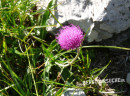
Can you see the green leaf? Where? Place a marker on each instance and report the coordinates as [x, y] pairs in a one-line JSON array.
[[4, 46], [88, 61], [59, 92], [82, 56], [19, 83], [37, 27], [67, 76], [100, 70], [47, 53], [44, 19], [52, 45], [40, 40]]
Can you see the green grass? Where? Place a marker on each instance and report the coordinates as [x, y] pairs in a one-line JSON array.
[[28, 65]]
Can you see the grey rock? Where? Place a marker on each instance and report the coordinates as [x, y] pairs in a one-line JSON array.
[[103, 17], [128, 78], [70, 92], [74, 92]]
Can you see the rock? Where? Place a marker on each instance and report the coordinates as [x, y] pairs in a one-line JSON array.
[[74, 92], [103, 17], [71, 92], [128, 78]]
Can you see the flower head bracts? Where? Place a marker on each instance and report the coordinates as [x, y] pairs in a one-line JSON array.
[[70, 37]]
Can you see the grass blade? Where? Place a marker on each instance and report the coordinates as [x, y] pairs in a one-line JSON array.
[[100, 46]]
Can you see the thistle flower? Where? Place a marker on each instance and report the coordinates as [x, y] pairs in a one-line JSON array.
[[70, 37]]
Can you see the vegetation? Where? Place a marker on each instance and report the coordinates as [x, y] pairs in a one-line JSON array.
[[29, 58]]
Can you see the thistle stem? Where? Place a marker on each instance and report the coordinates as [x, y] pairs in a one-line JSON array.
[[77, 55], [70, 63]]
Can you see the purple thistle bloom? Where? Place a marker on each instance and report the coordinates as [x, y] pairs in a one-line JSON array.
[[70, 37]]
